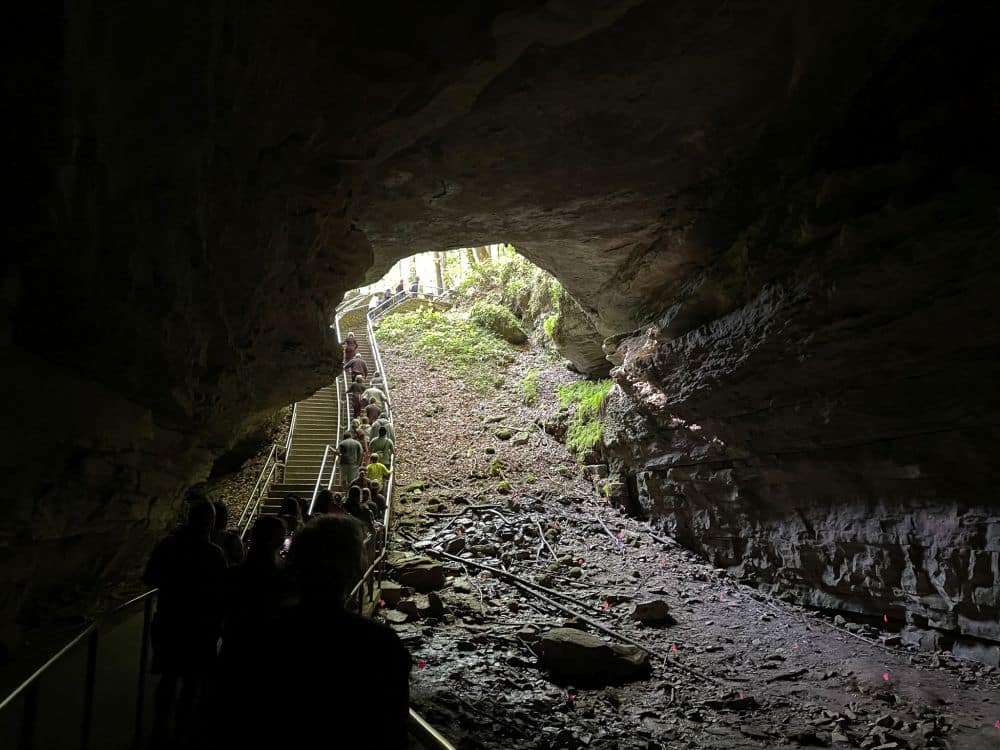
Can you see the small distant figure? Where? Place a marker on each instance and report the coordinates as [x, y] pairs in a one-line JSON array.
[[228, 541], [356, 391], [350, 346], [400, 290], [382, 445], [373, 411], [415, 286], [377, 470], [350, 457], [366, 429], [190, 572], [387, 295], [358, 434], [356, 366]]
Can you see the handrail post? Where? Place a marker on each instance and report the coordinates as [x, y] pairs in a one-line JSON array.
[[29, 718], [89, 683], [140, 701]]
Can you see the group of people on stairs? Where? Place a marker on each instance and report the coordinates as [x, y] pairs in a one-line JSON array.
[[235, 626]]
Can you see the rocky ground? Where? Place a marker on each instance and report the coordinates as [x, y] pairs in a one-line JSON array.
[[633, 642]]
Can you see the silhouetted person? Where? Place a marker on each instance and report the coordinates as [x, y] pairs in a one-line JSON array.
[[337, 505], [350, 457], [355, 507], [400, 287], [377, 497], [356, 366], [415, 285], [291, 513], [324, 499], [228, 541], [369, 504], [189, 571], [350, 347], [373, 411], [255, 590], [348, 687], [387, 295]]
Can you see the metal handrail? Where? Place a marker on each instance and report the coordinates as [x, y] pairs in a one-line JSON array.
[[291, 429], [30, 688], [426, 734], [430, 293], [256, 507], [343, 373], [260, 478], [319, 476], [377, 361]]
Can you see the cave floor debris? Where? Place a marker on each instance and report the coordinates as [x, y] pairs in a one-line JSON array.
[[778, 675]]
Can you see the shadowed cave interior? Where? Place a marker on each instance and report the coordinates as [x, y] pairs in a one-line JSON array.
[[778, 222]]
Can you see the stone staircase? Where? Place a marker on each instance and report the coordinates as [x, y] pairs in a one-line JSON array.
[[316, 427]]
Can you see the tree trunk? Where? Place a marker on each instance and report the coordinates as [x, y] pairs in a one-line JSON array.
[[438, 273], [482, 253]]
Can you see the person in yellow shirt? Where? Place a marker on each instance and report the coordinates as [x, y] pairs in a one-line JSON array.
[[377, 470]]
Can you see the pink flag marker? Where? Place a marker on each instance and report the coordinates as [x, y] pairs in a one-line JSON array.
[[421, 664], [674, 648], [885, 676], [607, 605], [381, 602]]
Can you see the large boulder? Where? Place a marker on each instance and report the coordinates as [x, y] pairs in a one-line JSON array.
[[573, 655], [498, 320]]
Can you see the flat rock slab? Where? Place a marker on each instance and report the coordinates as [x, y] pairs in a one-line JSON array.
[[418, 572], [584, 659]]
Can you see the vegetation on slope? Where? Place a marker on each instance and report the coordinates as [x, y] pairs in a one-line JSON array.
[[498, 320], [449, 341], [585, 428]]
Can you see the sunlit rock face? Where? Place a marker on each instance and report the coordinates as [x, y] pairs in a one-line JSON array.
[[779, 215]]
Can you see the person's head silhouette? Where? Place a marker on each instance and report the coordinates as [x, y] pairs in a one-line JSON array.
[[327, 556]]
